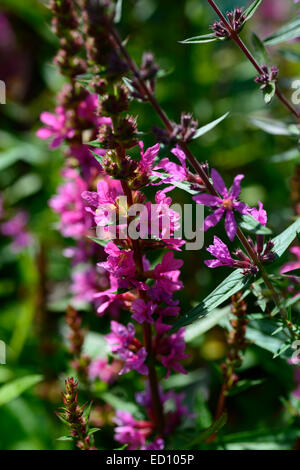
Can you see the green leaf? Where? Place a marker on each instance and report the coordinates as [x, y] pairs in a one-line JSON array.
[[93, 430], [285, 33], [260, 50], [208, 127], [274, 127], [283, 241], [252, 225], [289, 155], [249, 12], [15, 388], [200, 39], [234, 283], [119, 403], [95, 143], [200, 327], [213, 429], [65, 438], [99, 158], [291, 56], [243, 385], [99, 241], [269, 92], [118, 11]]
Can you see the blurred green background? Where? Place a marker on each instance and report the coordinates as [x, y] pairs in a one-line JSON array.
[[208, 80]]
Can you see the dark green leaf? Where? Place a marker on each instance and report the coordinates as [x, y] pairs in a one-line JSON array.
[[243, 385], [213, 429], [283, 241], [234, 283], [260, 50]]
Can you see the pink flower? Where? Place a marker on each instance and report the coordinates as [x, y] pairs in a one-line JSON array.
[[74, 220], [147, 159], [169, 349], [174, 412], [221, 252], [175, 172], [110, 300], [134, 361], [223, 257], [86, 281], [226, 204], [166, 276], [158, 444], [142, 311], [120, 336], [130, 431], [120, 263], [122, 341], [56, 127], [293, 264], [160, 221], [99, 368], [16, 228], [259, 214]]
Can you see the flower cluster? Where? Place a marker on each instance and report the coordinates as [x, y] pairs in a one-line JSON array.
[[136, 433], [236, 21]]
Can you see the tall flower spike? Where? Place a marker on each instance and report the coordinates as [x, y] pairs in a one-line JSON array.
[[72, 414]]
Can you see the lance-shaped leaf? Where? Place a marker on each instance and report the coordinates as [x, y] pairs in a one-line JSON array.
[[283, 241], [234, 283], [14, 389], [200, 39], [274, 127], [247, 222], [99, 158], [260, 50], [208, 127], [249, 12], [118, 11], [289, 155], [285, 33]]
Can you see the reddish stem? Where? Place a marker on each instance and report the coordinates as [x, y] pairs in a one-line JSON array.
[[234, 35]]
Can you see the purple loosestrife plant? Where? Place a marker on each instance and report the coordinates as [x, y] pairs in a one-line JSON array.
[[117, 274]]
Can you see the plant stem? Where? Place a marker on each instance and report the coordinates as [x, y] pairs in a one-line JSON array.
[[234, 35]]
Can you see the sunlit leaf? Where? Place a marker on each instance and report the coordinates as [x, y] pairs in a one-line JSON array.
[[12, 390]]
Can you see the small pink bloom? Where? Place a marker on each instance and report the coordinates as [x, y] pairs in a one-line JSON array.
[[142, 311], [225, 205], [293, 264], [56, 127]]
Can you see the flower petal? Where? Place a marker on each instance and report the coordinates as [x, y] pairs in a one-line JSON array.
[[219, 182], [207, 199], [213, 218], [230, 225], [236, 187]]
